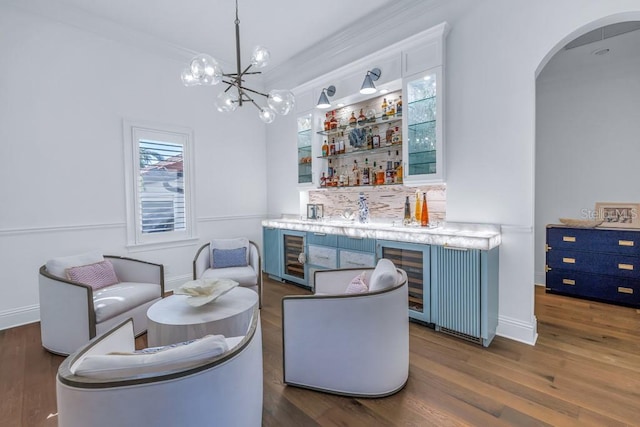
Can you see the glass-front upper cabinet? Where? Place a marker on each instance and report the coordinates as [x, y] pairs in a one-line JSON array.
[[423, 149], [305, 138]]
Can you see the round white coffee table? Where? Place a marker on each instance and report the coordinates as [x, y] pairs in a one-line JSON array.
[[172, 320]]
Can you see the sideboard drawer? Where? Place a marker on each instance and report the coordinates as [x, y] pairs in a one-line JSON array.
[[622, 242], [593, 262], [322, 239], [349, 259], [606, 288], [323, 257]]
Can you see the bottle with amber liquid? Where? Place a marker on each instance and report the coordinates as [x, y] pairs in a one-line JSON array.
[[424, 213], [384, 107], [356, 173], [327, 122], [380, 176], [333, 123], [362, 119], [332, 147], [391, 109], [352, 120], [325, 149], [399, 107], [418, 212]]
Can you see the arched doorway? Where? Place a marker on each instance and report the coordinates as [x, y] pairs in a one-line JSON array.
[[587, 124]]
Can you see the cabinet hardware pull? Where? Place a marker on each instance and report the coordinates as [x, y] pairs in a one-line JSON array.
[[625, 266], [568, 239], [625, 242], [547, 248], [624, 290], [322, 257], [569, 260], [568, 282], [547, 269], [357, 263], [453, 248], [319, 234]]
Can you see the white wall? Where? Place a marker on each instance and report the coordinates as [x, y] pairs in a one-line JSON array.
[[64, 93], [494, 50], [587, 128]]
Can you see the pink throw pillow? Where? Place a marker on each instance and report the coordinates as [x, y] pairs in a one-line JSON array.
[[98, 275], [357, 285]]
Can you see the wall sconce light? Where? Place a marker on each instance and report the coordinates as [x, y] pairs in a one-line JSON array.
[[367, 85], [323, 102]]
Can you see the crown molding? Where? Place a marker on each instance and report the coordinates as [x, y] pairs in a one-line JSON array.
[[375, 31]]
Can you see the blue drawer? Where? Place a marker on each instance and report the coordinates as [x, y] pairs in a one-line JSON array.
[[355, 244], [322, 239], [604, 288], [593, 262], [624, 242]]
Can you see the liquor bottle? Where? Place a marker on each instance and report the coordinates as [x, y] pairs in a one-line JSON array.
[[389, 135], [323, 180], [424, 214], [365, 173], [352, 120], [397, 136], [376, 137], [362, 119], [407, 212], [333, 123], [325, 149], [398, 168], [370, 139], [332, 147], [356, 173], [399, 107], [388, 174], [418, 211], [380, 176], [326, 121], [384, 108], [391, 109], [339, 146], [330, 171]]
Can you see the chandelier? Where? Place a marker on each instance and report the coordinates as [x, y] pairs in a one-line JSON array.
[[205, 70]]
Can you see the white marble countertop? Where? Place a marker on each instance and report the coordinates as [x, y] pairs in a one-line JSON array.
[[452, 234]]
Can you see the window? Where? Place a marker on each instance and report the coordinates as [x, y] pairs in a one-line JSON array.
[[159, 184]]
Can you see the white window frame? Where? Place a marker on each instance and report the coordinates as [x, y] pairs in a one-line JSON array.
[[135, 131]]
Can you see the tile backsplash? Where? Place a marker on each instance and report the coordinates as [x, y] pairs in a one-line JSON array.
[[385, 201]]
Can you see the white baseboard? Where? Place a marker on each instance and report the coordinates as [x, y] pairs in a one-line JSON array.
[[518, 330], [19, 316]]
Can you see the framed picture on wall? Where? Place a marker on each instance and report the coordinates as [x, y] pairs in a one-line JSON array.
[[618, 215]]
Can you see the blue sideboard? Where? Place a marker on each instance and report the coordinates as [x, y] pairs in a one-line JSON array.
[[451, 288], [598, 264]]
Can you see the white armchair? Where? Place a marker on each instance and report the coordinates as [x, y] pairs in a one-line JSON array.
[[72, 313], [224, 389], [348, 344], [247, 275]]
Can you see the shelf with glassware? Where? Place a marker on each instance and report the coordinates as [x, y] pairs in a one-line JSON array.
[[423, 147], [305, 158], [361, 150]]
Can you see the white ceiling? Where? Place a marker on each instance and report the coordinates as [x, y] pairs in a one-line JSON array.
[[286, 27]]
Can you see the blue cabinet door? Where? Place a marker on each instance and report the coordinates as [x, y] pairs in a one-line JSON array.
[[465, 288], [414, 259], [271, 251]]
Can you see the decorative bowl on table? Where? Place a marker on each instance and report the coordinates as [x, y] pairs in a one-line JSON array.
[[581, 223], [204, 291]]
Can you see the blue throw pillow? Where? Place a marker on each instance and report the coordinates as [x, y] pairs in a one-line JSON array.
[[223, 258]]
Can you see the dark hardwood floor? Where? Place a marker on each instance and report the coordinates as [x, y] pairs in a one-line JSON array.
[[584, 371]]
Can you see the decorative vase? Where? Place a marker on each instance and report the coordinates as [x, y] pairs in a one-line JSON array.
[[363, 209]]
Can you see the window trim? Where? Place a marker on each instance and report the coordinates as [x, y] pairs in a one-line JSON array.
[[133, 132]]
